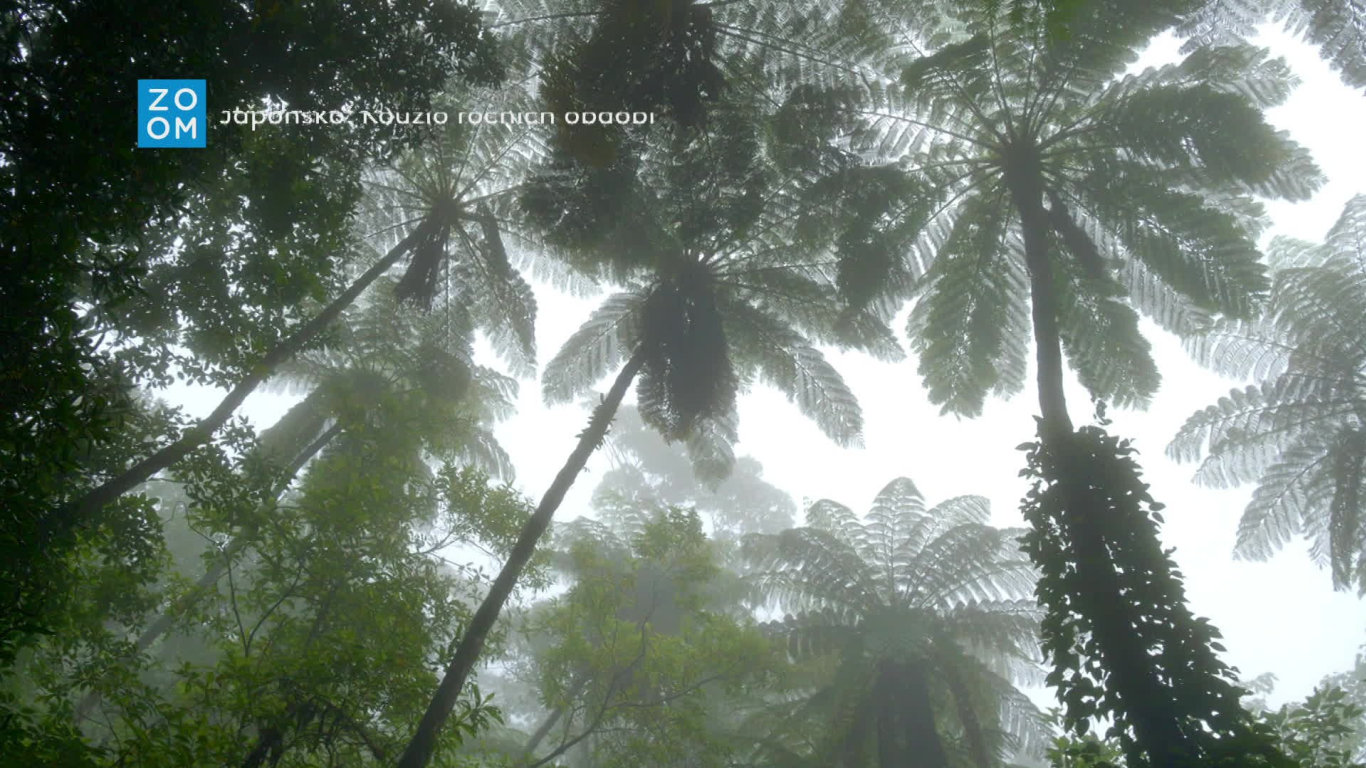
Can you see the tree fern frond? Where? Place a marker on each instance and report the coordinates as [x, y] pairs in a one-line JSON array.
[[1101, 337], [1241, 349], [1335, 26], [501, 301], [839, 521], [1347, 238], [1347, 510], [1295, 484], [985, 569], [1221, 22], [711, 447], [1244, 429], [1290, 253], [798, 370], [896, 511], [595, 349], [809, 569], [483, 450], [969, 326], [1201, 252], [1155, 298]]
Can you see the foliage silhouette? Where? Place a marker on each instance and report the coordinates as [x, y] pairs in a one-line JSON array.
[[1299, 431], [1044, 188]]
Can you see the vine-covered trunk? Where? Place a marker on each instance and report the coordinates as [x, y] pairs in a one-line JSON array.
[[420, 748], [1112, 620], [84, 509]]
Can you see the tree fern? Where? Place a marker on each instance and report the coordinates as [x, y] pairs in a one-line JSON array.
[[1110, 194], [1335, 27], [1297, 432], [930, 597], [1146, 182]]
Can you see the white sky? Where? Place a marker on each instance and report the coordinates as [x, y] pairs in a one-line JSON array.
[[1279, 616]]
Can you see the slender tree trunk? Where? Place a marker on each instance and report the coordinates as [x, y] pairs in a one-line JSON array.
[[543, 730], [1145, 698], [85, 508], [420, 748], [1024, 179]]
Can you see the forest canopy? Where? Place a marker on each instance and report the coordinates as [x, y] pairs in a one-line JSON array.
[[269, 402]]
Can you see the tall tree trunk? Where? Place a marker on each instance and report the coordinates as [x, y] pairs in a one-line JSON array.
[[1145, 698], [906, 734], [420, 748], [1024, 179], [1147, 701], [84, 509]]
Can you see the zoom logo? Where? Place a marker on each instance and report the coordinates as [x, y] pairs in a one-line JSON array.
[[171, 114]]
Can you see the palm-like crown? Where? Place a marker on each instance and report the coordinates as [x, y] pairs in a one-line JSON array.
[[1299, 432]]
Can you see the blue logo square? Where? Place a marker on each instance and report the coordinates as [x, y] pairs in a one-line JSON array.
[[172, 113]]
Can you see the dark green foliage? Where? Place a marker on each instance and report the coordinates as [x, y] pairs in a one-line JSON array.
[[92, 290], [642, 56], [716, 295], [1317, 733], [643, 652], [1142, 660], [1323, 731]]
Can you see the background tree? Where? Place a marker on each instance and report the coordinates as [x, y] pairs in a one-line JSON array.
[[715, 297], [641, 653], [75, 222], [398, 383], [1299, 431], [928, 615], [650, 472]]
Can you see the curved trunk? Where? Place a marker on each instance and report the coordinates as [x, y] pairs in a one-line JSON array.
[[420, 748], [81, 511], [1145, 698]]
